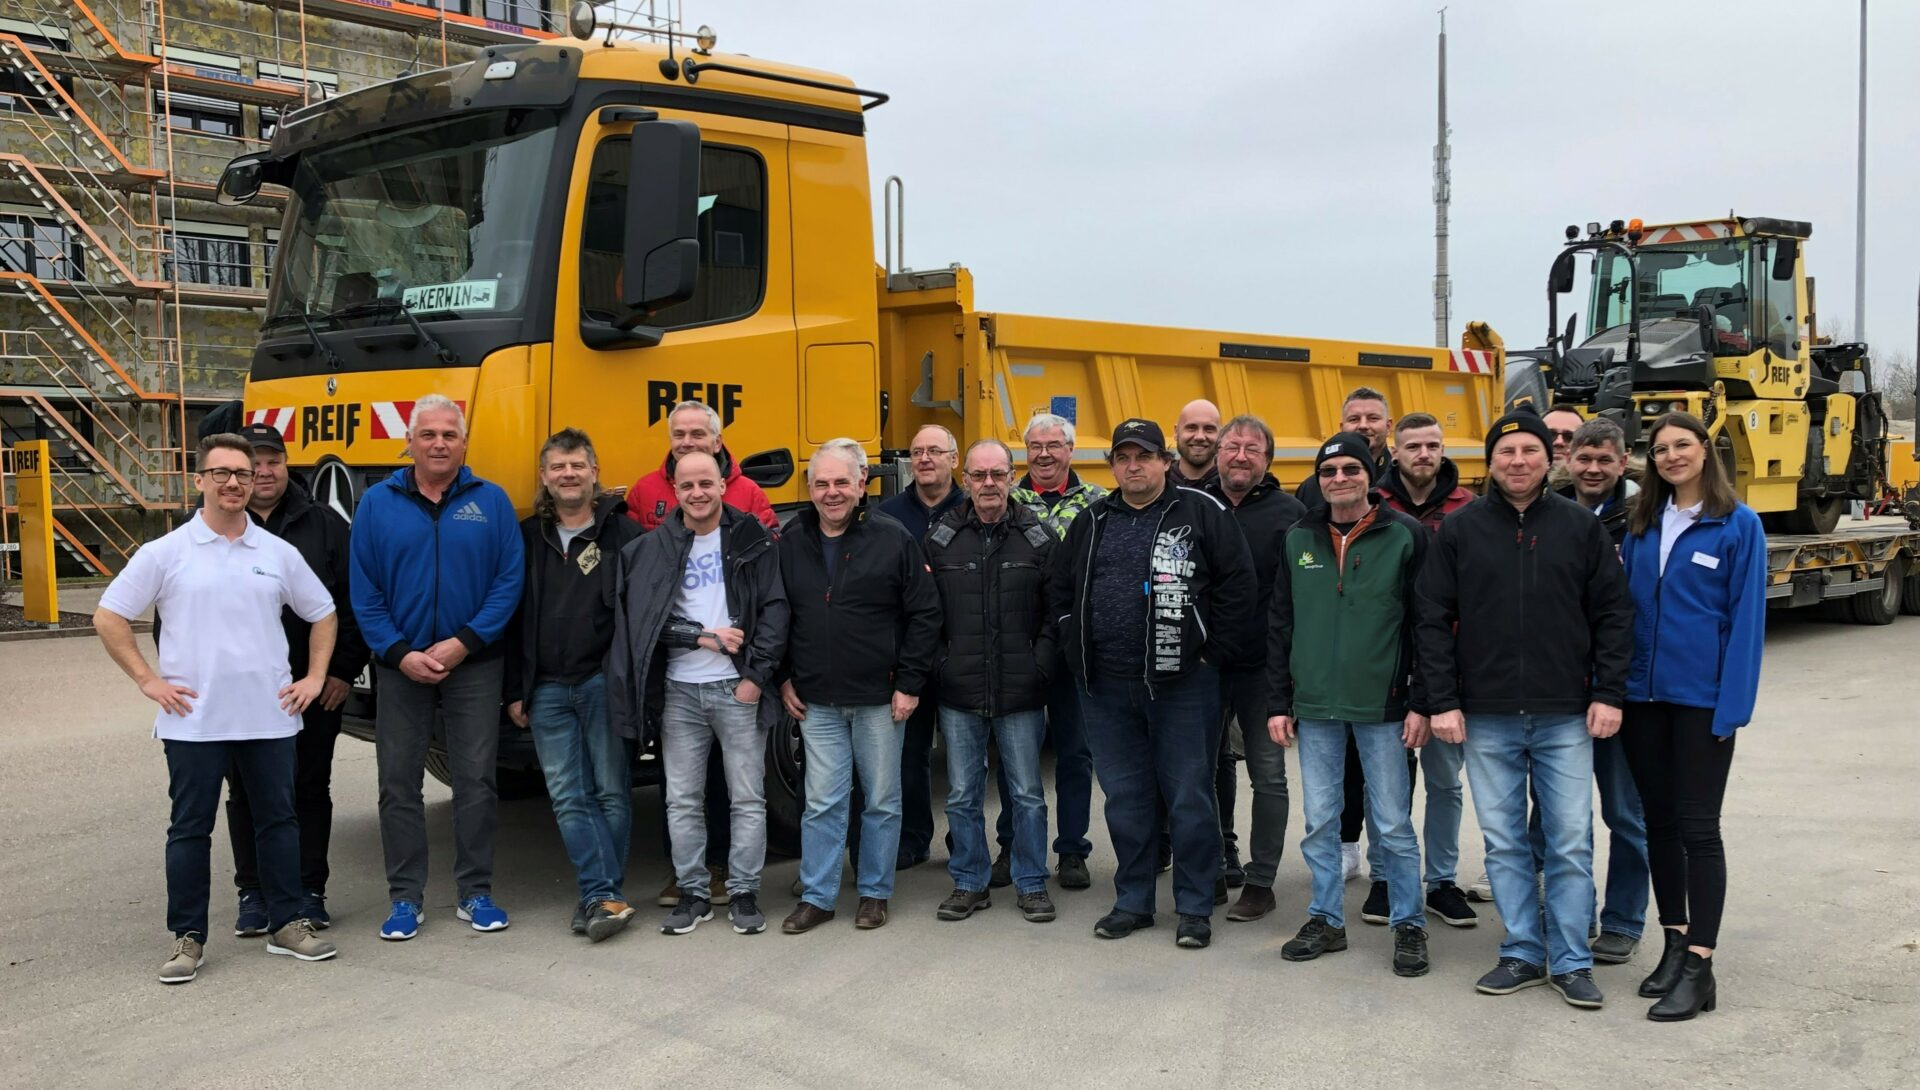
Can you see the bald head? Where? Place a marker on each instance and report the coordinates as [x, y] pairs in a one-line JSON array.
[[1197, 435], [698, 488]]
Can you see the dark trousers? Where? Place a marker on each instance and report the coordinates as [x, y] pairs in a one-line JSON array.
[[1353, 817], [312, 804], [719, 814], [195, 771], [1149, 745], [1681, 770], [467, 704]]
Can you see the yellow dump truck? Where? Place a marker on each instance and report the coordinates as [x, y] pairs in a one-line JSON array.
[[587, 231]]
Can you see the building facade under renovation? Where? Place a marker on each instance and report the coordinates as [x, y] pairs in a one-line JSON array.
[[129, 300]]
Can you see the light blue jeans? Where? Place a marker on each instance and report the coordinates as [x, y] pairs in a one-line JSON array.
[[1553, 754], [696, 715], [1628, 872], [840, 742], [1017, 735], [1323, 775], [1443, 763]]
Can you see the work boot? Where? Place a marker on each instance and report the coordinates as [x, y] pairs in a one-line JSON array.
[[962, 903], [299, 939], [1255, 902], [1037, 907], [184, 962]]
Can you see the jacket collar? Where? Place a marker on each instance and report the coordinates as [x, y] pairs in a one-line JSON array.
[[1262, 488], [606, 508], [1444, 482], [202, 534], [962, 515], [1072, 486]]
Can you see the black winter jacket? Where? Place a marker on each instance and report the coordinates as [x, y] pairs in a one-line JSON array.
[[1264, 515], [320, 534], [645, 626], [871, 630], [998, 636], [1523, 612], [567, 606], [1201, 586]]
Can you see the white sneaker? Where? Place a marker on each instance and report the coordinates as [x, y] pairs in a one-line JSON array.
[[1351, 862], [1481, 891]]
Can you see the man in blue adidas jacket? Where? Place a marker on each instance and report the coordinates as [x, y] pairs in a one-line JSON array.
[[437, 569]]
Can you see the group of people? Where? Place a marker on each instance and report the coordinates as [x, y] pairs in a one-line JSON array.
[[1384, 619]]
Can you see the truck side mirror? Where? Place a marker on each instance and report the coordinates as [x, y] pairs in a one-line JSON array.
[[1560, 278], [1785, 252], [662, 253], [240, 182]]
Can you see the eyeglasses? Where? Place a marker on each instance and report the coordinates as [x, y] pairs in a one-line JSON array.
[[1254, 450], [982, 476], [1328, 473], [224, 475], [1055, 447], [929, 452]]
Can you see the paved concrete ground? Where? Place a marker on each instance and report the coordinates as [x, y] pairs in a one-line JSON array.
[[1818, 972]]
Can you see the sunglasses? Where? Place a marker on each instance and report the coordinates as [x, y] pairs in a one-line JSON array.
[[1328, 473]]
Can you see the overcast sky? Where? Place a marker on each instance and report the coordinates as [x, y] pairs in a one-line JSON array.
[[1267, 167]]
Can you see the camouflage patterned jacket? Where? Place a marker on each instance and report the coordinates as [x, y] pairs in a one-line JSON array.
[[1056, 510]]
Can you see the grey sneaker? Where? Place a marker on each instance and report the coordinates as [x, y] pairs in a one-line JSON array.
[[1614, 948], [743, 911], [689, 914], [299, 939], [184, 963]]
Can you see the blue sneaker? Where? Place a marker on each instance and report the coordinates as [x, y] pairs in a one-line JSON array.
[[403, 924], [252, 919], [483, 914], [313, 906]]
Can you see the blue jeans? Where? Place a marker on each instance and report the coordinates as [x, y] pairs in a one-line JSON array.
[[1323, 775], [589, 779], [840, 742], [195, 773], [1150, 745], [1553, 756], [696, 715], [1443, 763], [1072, 772], [1628, 870], [1017, 735]]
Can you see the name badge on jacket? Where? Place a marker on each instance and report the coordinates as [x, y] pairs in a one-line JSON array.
[[1706, 561]]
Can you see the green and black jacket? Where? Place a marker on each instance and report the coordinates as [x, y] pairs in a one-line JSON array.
[[1353, 614]]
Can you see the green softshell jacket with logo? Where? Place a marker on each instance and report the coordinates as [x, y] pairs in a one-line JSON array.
[[1340, 637]]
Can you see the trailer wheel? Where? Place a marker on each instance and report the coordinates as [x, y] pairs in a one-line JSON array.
[[786, 786], [1883, 607], [512, 784], [1813, 516], [1910, 593]]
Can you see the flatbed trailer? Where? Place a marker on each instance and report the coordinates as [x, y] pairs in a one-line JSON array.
[[1868, 570]]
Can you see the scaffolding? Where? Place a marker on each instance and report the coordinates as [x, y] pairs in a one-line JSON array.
[[115, 121]]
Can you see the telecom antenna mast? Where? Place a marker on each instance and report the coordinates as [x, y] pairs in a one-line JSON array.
[[1442, 197]]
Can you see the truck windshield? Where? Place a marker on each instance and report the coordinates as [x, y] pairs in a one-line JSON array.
[[439, 217], [1676, 278]]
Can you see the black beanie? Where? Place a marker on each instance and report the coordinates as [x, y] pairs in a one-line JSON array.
[[1521, 419], [1352, 445]]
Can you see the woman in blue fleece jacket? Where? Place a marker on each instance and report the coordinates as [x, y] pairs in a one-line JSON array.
[[1696, 563]]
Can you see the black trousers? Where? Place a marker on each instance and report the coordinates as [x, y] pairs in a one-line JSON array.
[[1681, 770], [312, 805], [1353, 816]]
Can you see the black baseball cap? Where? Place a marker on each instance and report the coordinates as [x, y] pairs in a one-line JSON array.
[[264, 435], [1144, 434]]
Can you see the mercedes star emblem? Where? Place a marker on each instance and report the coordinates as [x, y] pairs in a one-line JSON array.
[[333, 487], [333, 386]]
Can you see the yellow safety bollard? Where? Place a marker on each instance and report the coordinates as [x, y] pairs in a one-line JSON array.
[[31, 468]]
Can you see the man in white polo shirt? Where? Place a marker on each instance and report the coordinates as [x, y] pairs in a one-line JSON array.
[[227, 697]]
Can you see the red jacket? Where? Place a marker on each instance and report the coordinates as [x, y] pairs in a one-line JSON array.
[[652, 496], [1448, 495]]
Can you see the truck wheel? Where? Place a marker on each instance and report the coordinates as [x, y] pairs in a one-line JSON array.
[[1813, 516], [512, 784], [786, 786], [1910, 594], [1883, 607]]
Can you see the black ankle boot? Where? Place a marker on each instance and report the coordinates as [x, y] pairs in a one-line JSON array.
[[1691, 994], [1660, 981]]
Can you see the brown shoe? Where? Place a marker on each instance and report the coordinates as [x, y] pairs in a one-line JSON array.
[[1255, 902], [804, 918], [717, 885], [872, 913], [183, 962], [669, 895]]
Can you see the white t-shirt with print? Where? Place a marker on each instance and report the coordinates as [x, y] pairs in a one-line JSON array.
[[702, 599], [219, 603]]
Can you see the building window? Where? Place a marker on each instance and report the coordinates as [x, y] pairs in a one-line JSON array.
[[269, 121], [211, 259], [527, 13], [40, 247], [17, 93], [191, 113]]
